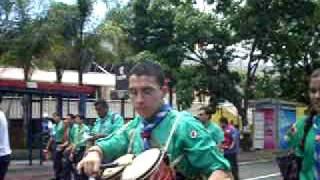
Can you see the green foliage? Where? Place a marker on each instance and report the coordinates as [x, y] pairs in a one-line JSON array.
[[176, 31], [114, 43], [288, 34], [185, 89], [23, 38], [267, 84]]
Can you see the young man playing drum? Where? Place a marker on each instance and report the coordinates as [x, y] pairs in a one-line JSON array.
[[191, 148], [107, 122]]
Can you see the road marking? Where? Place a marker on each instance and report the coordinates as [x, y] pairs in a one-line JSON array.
[[254, 162], [265, 176]]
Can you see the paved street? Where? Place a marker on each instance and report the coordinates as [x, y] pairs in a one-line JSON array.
[[248, 171], [253, 166], [255, 171]]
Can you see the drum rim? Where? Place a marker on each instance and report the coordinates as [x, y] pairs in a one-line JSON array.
[[115, 174], [151, 169]]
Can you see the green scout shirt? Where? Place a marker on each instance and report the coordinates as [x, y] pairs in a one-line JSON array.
[[191, 139], [58, 132], [78, 134], [107, 125], [294, 140], [215, 131], [72, 133]]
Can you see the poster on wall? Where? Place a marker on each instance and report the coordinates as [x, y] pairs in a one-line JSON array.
[[258, 136], [269, 129], [286, 118]]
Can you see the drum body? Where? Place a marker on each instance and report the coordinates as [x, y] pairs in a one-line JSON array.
[[149, 165]]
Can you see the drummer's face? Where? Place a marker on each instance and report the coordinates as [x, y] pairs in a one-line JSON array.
[[146, 94]]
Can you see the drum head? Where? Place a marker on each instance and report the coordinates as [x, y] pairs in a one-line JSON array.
[[115, 172], [142, 165], [111, 173]]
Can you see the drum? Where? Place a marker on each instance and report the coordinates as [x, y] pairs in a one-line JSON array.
[[114, 170], [148, 165]]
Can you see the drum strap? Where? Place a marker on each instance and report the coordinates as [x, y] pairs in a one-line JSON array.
[[176, 161], [174, 127], [132, 135]]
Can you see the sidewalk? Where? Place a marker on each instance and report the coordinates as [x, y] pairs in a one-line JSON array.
[[257, 155], [20, 169]]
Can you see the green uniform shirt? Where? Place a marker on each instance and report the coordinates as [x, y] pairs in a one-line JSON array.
[[58, 132], [71, 133], [107, 125], [78, 134], [294, 140], [191, 140], [215, 131]]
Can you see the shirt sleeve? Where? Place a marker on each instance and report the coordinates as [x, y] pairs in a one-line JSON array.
[[84, 136], [117, 123], [234, 135], [3, 120], [219, 133], [94, 130], [115, 145], [200, 149], [71, 135]]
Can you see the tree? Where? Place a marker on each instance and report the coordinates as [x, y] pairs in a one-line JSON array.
[[296, 51], [176, 31], [83, 52], [24, 40], [267, 84], [61, 24], [277, 31], [293, 45], [114, 43], [254, 24], [23, 43]]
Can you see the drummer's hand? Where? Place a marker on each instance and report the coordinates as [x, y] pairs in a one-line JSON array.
[[90, 164], [220, 175]]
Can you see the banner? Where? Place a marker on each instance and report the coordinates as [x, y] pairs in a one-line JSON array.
[[286, 118], [269, 128]]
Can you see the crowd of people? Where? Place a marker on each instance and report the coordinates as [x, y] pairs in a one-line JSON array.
[[194, 147], [70, 137]]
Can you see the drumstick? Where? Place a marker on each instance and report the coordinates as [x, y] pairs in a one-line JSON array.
[[110, 165]]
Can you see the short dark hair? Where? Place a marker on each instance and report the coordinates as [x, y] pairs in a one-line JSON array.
[[102, 103], [149, 68], [56, 114], [80, 116], [71, 115], [206, 109]]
